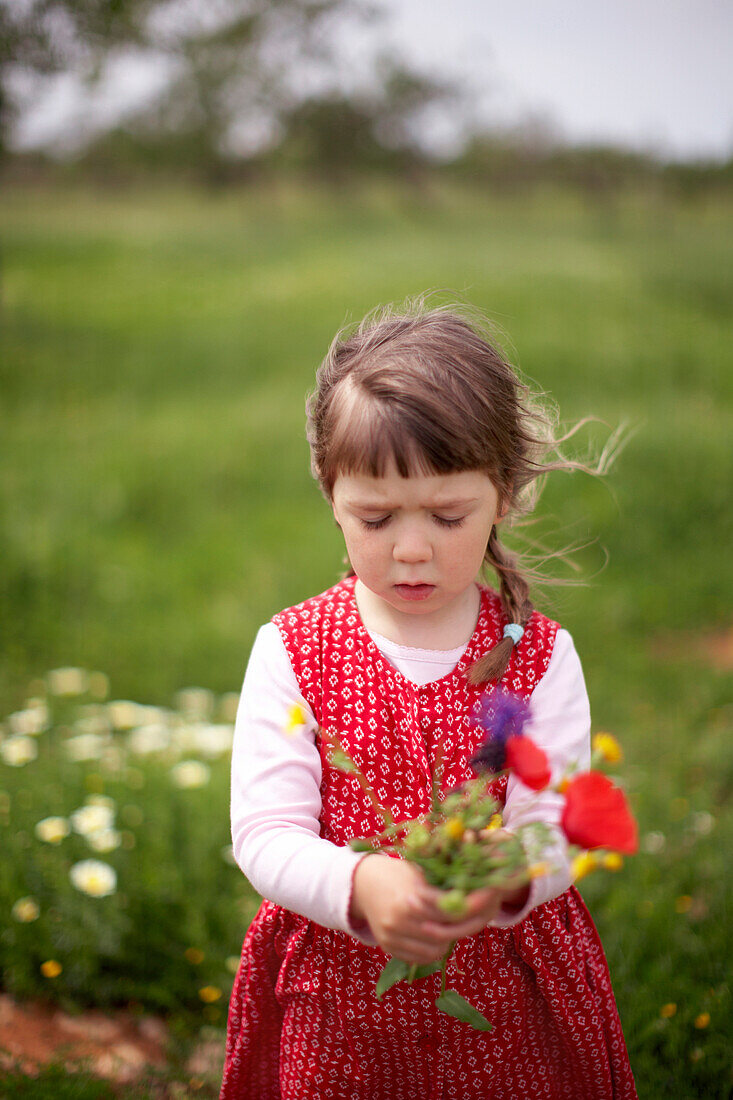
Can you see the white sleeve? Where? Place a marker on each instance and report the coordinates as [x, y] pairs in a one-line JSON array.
[[560, 724], [276, 800]]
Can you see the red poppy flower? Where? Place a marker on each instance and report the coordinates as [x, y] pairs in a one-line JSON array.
[[528, 761], [597, 815]]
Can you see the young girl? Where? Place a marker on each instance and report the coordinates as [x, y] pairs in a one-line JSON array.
[[423, 441]]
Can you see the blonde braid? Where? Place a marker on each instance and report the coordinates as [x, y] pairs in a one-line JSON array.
[[514, 592]]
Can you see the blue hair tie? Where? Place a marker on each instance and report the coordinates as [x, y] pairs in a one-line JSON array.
[[514, 631]]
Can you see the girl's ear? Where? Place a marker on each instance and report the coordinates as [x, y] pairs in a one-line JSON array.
[[503, 508]]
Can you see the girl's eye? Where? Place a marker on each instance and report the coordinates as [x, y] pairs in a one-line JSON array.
[[442, 521]]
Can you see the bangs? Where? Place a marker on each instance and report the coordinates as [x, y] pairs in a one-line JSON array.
[[413, 430]]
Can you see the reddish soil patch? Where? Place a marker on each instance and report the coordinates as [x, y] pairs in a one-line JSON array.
[[116, 1046]]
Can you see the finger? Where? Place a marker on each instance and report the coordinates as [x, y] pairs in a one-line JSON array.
[[475, 904], [426, 897], [433, 934], [414, 951], [480, 900], [476, 924], [430, 899], [421, 929], [426, 908]]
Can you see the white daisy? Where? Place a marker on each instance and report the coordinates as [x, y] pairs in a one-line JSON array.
[[93, 877]]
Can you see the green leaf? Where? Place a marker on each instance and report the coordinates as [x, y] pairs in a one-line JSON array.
[[395, 971], [453, 1004]]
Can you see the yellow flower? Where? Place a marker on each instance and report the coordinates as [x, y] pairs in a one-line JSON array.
[[296, 718], [495, 821], [194, 955], [454, 828], [702, 1020], [668, 1011], [583, 864], [537, 869], [613, 861], [683, 903], [51, 968], [209, 994], [608, 747], [25, 910]]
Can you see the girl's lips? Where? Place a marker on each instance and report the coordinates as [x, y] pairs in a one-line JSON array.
[[414, 591]]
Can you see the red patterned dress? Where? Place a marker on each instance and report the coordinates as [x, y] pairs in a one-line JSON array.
[[304, 1022]]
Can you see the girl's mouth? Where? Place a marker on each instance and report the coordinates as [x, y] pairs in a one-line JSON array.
[[414, 591]]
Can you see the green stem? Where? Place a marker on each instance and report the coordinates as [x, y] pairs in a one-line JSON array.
[[334, 741], [444, 966]]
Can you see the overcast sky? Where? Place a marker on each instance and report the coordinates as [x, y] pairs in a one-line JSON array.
[[644, 72], [649, 73]]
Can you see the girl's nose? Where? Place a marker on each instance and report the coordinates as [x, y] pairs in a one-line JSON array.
[[412, 545]]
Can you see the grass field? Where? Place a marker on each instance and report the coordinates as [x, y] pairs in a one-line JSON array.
[[157, 507]]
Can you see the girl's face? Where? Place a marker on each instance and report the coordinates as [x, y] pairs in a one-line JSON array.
[[417, 542]]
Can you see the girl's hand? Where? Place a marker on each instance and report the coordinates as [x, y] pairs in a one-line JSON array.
[[401, 909], [403, 913], [483, 905]]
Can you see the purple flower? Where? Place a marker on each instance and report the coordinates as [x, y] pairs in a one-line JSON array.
[[501, 715]]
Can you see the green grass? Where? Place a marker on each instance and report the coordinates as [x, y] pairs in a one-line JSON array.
[[156, 505], [55, 1082]]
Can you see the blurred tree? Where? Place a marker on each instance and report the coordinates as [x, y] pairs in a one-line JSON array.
[[41, 38], [331, 134], [337, 134], [231, 64]]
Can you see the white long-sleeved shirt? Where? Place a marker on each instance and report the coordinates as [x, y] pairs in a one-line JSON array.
[[276, 776]]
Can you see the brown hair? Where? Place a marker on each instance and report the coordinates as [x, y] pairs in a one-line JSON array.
[[428, 388]]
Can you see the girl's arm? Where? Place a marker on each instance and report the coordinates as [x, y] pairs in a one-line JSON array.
[[275, 797], [560, 725]]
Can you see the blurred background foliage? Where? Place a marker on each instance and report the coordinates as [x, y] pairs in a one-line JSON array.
[[165, 299], [248, 91]]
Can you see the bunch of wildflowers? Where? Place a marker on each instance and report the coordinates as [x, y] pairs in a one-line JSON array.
[[460, 844]]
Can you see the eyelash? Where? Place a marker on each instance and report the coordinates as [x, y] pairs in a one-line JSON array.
[[375, 524]]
